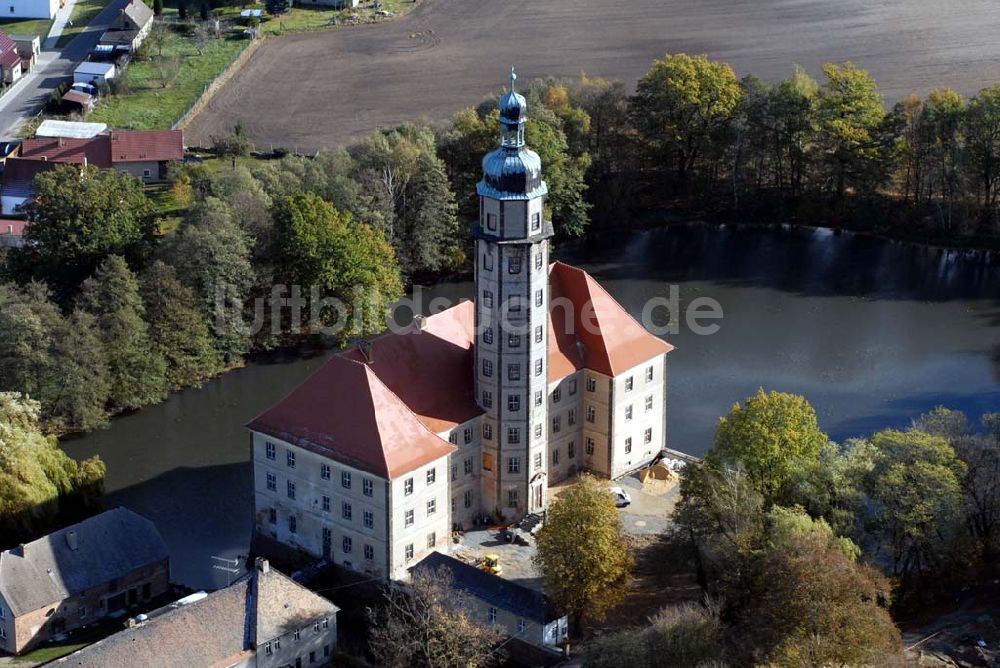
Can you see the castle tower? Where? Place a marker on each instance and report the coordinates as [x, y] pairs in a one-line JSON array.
[[511, 278]]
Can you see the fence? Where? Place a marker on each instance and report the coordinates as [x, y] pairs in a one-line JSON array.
[[213, 86]]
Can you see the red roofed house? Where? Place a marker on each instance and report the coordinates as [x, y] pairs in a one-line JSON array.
[[477, 409], [144, 154], [10, 60]]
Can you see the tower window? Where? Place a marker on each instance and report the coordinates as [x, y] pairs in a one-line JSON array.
[[591, 384], [628, 445], [487, 368], [487, 299], [538, 367], [514, 340], [487, 399], [538, 334], [538, 260], [512, 503], [513, 465], [591, 414], [536, 222], [514, 264], [538, 298], [491, 221], [538, 460], [514, 372], [647, 437], [514, 403], [513, 435], [487, 434], [590, 446], [488, 336], [487, 262]]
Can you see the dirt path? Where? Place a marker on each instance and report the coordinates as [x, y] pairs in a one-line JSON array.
[[322, 89]]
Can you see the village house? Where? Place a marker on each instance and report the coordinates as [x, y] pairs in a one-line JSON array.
[[78, 575], [474, 410], [10, 60], [524, 613], [17, 186], [145, 154], [130, 28], [28, 47], [30, 9], [264, 619], [12, 232]]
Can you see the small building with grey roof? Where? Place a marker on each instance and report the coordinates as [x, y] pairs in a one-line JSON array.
[[264, 619], [78, 575]]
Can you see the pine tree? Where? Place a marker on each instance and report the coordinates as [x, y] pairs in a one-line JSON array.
[[179, 327], [138, 371], [157, 7], [430, 223]]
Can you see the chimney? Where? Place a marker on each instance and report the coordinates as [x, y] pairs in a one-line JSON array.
[[365, 346], [71, 539], [263, 565], [418, 323], [60, 141]]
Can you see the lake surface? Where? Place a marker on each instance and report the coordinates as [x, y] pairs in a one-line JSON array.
[[871, 332]]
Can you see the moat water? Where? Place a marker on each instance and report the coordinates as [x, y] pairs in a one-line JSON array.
[[872, 332]]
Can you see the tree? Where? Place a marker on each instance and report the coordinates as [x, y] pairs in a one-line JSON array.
[[850, 114], [234, 145], [166, 68], [157, 7], [57, 360], [178, 327], [320, 247], [212, 255], [681, 106], [982, 145], [916, 498], [582, 551], [429, 625], [182, 10], [682, 636], [199, 35], [277, 7], [137, 370], [80, 216], [204, 17], [38, 482], [772, 435], [430, 226]]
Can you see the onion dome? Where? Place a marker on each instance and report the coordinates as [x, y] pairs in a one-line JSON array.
[[512, 171]]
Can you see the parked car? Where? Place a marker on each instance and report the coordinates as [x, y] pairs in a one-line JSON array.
[[622, 498]]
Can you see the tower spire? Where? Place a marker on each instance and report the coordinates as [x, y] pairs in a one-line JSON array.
[[513, 78]]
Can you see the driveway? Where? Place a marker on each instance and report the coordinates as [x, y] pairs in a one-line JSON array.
[[31, 92]]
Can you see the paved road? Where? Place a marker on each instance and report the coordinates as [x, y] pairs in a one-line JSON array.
[[326, 88], [53, 66]]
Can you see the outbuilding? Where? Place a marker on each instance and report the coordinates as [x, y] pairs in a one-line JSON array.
[[94, 73]]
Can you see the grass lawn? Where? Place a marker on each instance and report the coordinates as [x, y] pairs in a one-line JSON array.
[[84, 12], [307, 19], [26, 27], [148, 104], [49, 653]]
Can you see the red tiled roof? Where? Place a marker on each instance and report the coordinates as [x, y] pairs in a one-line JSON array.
[[431, 371], [142, 145], [12, 226], [8, 51], [345, 409], [612, 340], [68, 149]]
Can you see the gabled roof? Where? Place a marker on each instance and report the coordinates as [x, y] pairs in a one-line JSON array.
[[431, 369], [135, 14], [219, 630], [8, 51], [96, 150], [107, 546], [612, 340], [496, 591], [345, 411], [146, 145], [19, 173]]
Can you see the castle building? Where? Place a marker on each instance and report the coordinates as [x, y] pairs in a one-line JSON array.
[[474, 410]]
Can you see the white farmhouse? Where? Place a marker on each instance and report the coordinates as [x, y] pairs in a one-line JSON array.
[[30, 9]]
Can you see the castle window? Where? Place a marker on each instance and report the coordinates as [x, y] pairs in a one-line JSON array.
[[591, 384], [556, 424], [291, 489], [346, 511], [514, 372], [628, 445], [514, 402], [408, 518], [431, 540], [538, 397], [431, 476], [513, 465], [269, 450], [293, 524], [514, 304], [649, 403], [408, 487], [591, 413], [431, 507], [487, 431], [487, 399], [513, 435], [538, 430], [487, 368], [326, 503], [467, 464], [408, 552], [348, 545], [487, 299], [467, 434], [512, 503], [538, 334], [493, 615], [369, 554], [324, 471], [468, 498], [628, 412], [453, 438], [649, 373], [647, 438], [487, 262], [571, 450], [290, 459], [555, 457], [513, 341], [367, 487], [345, 479], [538, 298], [368, 518], [514, 264], [454, 472], [488, 336], [536, 222], [590, 446], [272, 482], [572, 387], [538, 260], [272, 517], [571, 416], [491, 221], [556, 395], [628, 384], [538, 460]]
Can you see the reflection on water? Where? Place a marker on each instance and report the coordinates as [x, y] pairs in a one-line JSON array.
[[872, 332]]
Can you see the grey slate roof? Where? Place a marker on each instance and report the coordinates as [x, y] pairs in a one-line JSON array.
[[108, 546], [496, 591], [136, 14], [217, 630]]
